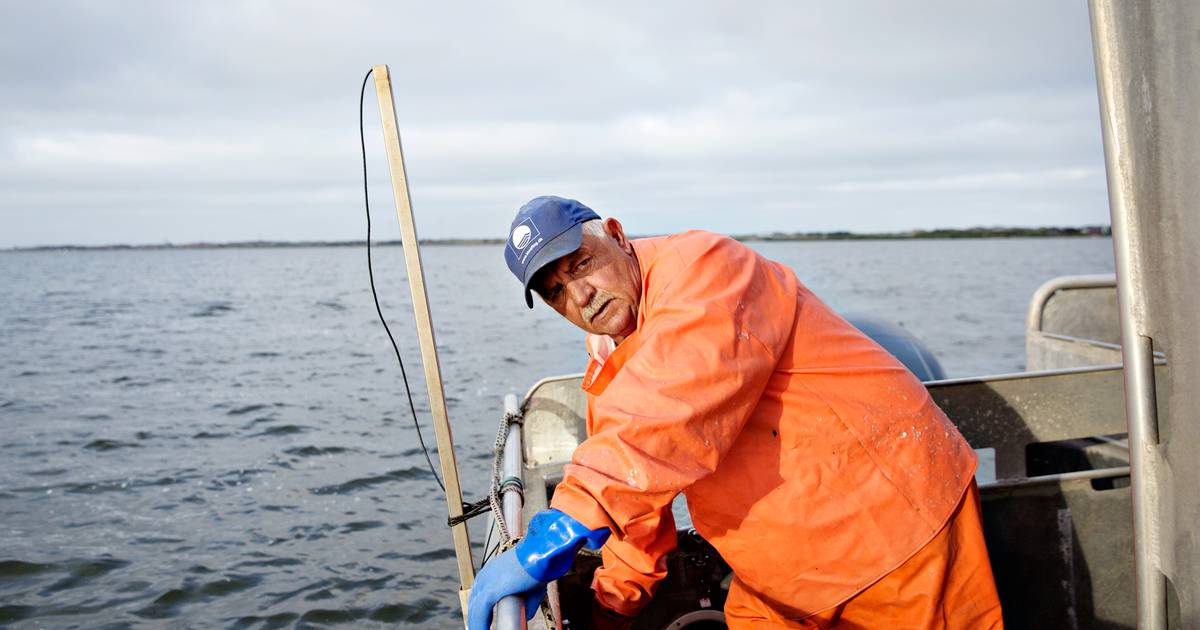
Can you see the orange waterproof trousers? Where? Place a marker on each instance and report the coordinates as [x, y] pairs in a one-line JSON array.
[[947, 585]]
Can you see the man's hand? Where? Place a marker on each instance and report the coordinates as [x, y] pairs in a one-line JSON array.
[[500, 577], [544, 555]]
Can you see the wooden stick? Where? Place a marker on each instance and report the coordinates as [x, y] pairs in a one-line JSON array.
[[420, 301]]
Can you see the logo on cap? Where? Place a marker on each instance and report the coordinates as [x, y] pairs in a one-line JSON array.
[[524, 240], [521, 236]]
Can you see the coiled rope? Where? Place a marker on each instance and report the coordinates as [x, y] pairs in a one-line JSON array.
[[499, 485]]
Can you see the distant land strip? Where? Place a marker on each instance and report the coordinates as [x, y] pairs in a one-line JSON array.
[[941, 233]]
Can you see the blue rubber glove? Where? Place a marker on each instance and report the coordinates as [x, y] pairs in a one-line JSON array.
[[543, 555]]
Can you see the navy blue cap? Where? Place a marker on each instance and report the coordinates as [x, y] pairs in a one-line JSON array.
[[544, 230]]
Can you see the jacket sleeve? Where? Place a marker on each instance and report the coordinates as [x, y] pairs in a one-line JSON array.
[[633, 567], [716, 321]]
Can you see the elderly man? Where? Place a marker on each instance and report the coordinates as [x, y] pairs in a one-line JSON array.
[[811, 459]]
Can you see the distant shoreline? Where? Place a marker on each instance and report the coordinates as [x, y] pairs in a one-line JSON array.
[[1042, 232]]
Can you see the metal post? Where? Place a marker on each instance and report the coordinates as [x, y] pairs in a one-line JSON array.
[[1127, 54], [510, 612], [420, 300]]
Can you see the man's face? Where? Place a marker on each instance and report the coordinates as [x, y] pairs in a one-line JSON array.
[[598, 286]]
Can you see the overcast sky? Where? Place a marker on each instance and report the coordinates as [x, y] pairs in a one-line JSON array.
[[145, 122]]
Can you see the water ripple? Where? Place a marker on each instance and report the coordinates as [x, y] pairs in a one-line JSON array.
[[82, 572], [109, 445], [354, 485], [285, 429], [422, 610], [169, 603], [315, 451], [10, 569], [214, 309]]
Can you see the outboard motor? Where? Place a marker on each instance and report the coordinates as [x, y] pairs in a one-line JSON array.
[[901, 344]]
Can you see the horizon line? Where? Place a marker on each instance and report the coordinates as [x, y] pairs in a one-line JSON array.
[[934, 233]]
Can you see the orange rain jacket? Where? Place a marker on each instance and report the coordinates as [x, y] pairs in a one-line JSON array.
[[811, 459]]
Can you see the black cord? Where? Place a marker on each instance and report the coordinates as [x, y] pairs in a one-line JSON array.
[[486, 543], [470, 511], [497, 550], [371, 275]]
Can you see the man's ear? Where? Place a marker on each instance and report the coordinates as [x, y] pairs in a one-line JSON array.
[[613, 228]]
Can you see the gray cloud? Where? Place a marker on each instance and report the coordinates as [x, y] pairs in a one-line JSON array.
[[144, 121]]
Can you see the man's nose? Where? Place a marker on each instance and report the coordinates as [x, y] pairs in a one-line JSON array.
[[580, 292]]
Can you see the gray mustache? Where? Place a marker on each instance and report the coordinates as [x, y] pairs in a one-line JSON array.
[[597, 302]]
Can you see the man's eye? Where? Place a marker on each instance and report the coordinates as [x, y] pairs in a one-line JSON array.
[[555, 292], [583, 264]]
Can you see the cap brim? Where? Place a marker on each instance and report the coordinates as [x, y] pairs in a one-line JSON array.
[[559, 246]]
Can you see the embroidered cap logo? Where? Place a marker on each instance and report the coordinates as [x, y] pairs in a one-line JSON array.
[[521, 236]]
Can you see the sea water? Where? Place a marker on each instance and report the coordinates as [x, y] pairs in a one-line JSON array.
[[221, 438]]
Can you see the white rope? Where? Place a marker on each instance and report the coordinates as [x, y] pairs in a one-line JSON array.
[[499, 483]]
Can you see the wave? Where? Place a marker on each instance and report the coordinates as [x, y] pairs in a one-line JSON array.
[[80, 572], [428, 556], [360, 526], [109, 485], [19, 568], [169, 603], [421, 611], [241, 411], [214, 309], [316, 451], [103, 445], [205, 435], [286, 429], [354, 485]]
